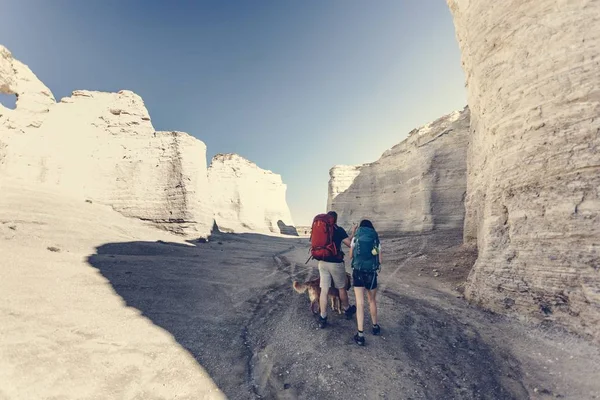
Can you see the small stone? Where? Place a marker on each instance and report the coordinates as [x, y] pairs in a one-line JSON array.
[[436, 274], [328, 366]]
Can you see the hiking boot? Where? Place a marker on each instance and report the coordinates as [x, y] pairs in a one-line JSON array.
[[376, 329], [322, 322], [350, 311], [360, 340]]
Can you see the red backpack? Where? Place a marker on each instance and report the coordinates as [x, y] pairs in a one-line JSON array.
[[321, 237]]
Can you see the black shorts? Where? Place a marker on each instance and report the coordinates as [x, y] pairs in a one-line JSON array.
[[368, 280]]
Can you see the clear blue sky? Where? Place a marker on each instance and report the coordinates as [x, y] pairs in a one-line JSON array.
[[294, 86]]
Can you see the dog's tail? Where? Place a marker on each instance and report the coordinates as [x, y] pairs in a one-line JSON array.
[[299, 287]]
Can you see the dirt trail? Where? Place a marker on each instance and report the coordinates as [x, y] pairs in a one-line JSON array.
[[229, 302], [434, 345]]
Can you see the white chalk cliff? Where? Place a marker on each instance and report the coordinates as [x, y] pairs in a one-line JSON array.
[[247, 198], [415, 187], [102, 147], [34, 99], [341, 178], [533, 197]]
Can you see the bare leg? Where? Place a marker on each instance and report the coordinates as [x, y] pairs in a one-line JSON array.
[[359, 292], [323, 302], [371, 294], [344, 298]]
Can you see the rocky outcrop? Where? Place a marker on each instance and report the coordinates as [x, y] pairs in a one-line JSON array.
[[415, 187], [533, 198], [341, 178], [247, 198], [103, 147], [34, 99]]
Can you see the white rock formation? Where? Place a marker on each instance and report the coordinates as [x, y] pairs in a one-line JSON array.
[[247, 198], [103, 147], [415, 187], [533, 200], [34, 99], [341, 178]]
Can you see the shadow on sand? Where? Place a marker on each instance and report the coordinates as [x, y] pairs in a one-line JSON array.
[[201, 293]]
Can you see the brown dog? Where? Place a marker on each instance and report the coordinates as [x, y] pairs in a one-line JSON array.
[[314, 292]]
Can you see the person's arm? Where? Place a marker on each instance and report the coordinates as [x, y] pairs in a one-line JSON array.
[[348, 240], [380, 260]]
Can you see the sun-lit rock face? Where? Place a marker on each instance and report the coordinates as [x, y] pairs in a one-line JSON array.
[[247, 198], [415, 187], [103, 147], [34, 99], [533, 198]]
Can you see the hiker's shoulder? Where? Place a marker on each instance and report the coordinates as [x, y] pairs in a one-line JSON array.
[[341, 231]]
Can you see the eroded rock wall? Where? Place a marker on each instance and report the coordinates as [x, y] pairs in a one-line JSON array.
[[246, 198], [415, 187], [533, 198], [341, 177], [103, 147], [34, 99]]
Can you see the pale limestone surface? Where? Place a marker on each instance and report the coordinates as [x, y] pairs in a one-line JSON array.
[[533, 198], [341, 178], [34, 99], [415, 187], [103, 147], [246, 198], [64, 331]]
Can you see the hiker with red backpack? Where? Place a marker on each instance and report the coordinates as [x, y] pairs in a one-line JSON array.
[[326, 241]]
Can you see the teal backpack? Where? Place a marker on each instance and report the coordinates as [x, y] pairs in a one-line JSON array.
[[365, 255]]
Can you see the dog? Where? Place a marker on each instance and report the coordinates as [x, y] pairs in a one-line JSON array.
[[314, 292]]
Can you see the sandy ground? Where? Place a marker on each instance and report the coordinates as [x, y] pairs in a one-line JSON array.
[[64, 331], [98, 306]]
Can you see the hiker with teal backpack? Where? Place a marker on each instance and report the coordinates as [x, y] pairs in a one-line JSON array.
[[365, 253]]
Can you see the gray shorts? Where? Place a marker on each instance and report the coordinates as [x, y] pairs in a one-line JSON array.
[[335, 271]]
